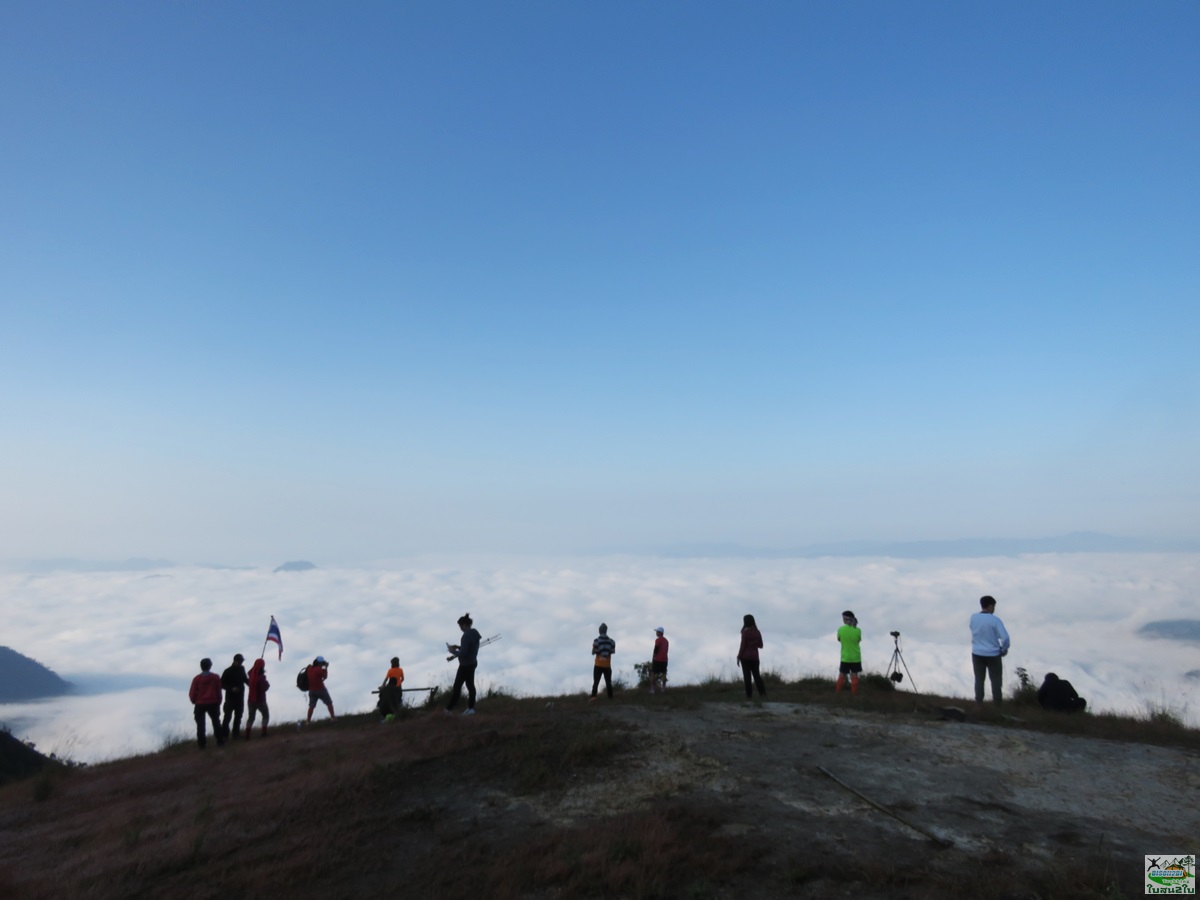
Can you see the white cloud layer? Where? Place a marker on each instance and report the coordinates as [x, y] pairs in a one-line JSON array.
[[132, 641]]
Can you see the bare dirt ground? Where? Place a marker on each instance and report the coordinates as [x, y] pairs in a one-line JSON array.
[[630, 798]]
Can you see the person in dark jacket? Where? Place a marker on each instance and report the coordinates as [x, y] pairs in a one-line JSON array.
[[256, 696], [747, 656], [1057, 694], [603, 647], [233, 682], [467, 654], [205, 695]]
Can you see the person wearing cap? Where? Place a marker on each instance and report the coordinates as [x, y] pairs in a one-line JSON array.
[[391, 697], [603, 647], [658, 662], [747, 658], [989, 646], [256, 696], [849, 636], [234, 681], [205, 694], [317, 673], [467, 654]]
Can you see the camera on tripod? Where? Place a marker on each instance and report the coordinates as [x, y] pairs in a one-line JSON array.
[[894, 674]]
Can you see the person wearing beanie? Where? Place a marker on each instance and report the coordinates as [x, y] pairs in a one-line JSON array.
[[603, 647], [233, 682], [849, 636], [317, 673], [658, 662], [747, 657], [205, 695], [256, 696]]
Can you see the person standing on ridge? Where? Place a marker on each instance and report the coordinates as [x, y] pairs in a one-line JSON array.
[[467, 654], [989, 646], [747, 656], [849, 636], [658, 662], [233, 682], [391, 697], [256, 696], [603, 647], [205, 695], [317, 673]]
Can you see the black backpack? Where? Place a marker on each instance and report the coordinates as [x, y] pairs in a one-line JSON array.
[[302, 679]]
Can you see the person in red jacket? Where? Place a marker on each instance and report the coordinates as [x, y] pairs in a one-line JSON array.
[[747, 656], [205, 695], [256, 696], [658, 662], [317, 673]]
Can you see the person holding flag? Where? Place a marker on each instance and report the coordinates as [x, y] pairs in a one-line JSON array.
[[256, 696]]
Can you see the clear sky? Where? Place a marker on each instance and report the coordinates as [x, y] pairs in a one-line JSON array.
[[296, 279]]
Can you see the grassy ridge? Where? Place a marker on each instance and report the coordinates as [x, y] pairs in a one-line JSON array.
[[425, 807]]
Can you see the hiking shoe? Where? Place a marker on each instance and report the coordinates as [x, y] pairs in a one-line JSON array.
[[468, 712]]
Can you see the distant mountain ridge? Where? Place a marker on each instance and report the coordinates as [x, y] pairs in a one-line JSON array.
[[1075, 542], [22, 678], [299, 565]]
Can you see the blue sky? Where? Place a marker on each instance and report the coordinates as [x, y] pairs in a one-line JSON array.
[[284, 280]]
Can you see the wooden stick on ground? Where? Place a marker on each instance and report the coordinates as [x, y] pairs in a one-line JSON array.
[[884, 809]]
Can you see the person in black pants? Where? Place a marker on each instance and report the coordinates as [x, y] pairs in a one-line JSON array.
[[467, 654], [205, 695], [747, 656], [233, 682], [1059, 695]]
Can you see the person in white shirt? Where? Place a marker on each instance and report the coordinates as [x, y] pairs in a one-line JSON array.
[[989, 645]]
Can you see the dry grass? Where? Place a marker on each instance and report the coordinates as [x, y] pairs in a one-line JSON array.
[[423, 807]]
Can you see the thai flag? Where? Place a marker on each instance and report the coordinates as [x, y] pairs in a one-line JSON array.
[[274, 635]]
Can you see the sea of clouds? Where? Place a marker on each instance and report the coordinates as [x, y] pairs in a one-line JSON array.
[[131, 642]]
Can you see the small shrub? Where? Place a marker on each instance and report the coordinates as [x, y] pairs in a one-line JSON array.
[[876, 681], [1024, 692], [642, 670]]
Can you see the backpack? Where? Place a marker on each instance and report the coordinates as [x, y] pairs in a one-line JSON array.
[[302, 679]]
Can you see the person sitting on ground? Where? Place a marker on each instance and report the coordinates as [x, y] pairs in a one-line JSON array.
[[1058, 695], [317, 673], [850, 637], [391, 692]]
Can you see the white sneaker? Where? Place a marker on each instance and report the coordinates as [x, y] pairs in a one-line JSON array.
[[468, 712]]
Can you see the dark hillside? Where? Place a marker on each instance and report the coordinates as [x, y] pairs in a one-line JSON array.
[[22, 678], [697, 793], [17, 760]]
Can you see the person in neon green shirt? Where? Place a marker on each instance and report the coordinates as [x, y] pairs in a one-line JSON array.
[[849, 636]]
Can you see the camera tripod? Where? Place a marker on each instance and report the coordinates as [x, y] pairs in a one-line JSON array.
[[893, 669]]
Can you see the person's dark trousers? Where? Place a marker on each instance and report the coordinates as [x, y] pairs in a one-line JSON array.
[[606, 673], [234, 706], [255, 708], [993, 668], [750, 670], [465, 675], [213, 711]]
